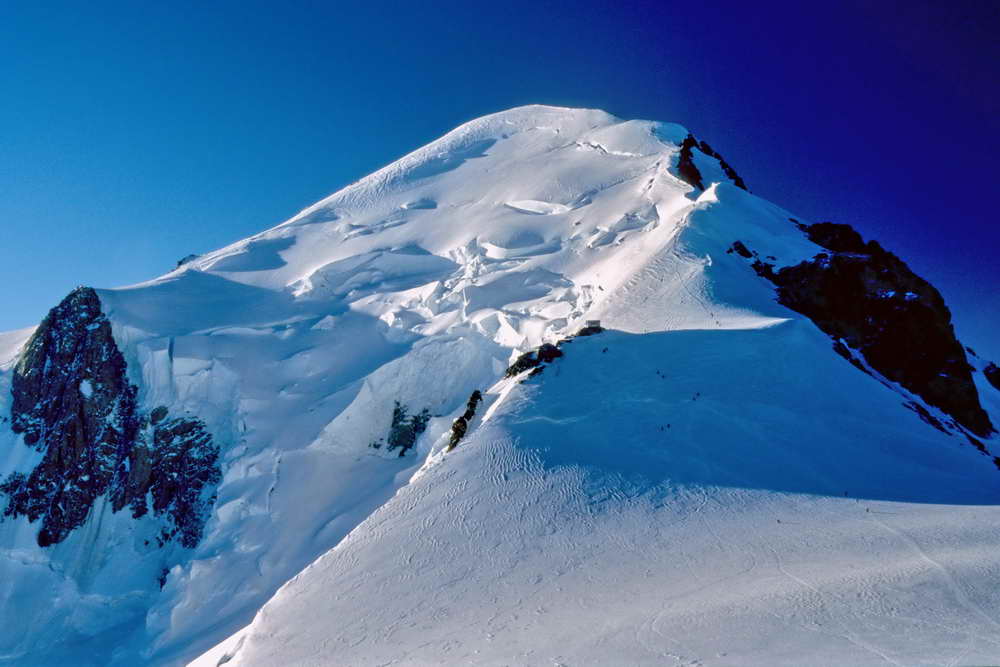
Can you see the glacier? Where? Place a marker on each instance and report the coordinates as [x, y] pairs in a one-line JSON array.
[[710, 480]]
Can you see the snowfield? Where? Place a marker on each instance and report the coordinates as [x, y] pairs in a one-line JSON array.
[[705, 482], [619, 510]]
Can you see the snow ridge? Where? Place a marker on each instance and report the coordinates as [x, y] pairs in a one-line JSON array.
[[376, 314]]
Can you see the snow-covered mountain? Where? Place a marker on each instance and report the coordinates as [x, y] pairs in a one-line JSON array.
[[372, 434]]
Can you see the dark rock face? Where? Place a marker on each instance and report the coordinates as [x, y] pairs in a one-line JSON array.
[[70, 355], [740, 250], [926, 416], [686, 168], [73, 402], [173, 472], [689, 172], [533, 358], [589, 331], [461, 425], [728, 170], [869, 300], [404, 429]]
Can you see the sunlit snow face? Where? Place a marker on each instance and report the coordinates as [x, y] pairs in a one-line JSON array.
[[514, 226], [705, 409]]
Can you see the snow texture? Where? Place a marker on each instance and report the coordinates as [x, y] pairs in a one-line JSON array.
[[705, 481]]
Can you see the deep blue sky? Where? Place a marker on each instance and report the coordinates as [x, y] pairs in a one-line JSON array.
[[134, 133]]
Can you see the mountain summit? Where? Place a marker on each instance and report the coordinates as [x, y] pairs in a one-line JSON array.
[[555, 388]]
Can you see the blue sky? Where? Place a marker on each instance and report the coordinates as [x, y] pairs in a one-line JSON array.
[[132, 134]]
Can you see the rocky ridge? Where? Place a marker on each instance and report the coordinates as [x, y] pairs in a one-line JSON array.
[[72, 401], [868, 300]]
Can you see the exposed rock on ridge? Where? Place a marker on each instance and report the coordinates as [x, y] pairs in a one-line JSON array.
[[72, 400], [689, 172], [461, 424], [533, 359], [867, 299]]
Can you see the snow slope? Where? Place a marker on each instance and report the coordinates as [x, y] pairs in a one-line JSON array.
[[566, 525], [683, 497]]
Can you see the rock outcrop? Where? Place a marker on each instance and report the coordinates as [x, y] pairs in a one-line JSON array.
[[585, 331], [726, 168], [533, 359], [404, 429], [461, 424], [867, 299], [686, 167], [72, 401], [688, 171]]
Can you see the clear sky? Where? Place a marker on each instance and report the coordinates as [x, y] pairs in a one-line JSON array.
[[134, 133]]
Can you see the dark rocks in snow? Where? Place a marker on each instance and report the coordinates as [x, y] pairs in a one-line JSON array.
[[70, 382], [187, 258], [976, 443], [845, 352], [740, 250], [172, 470], [726, 168], [548, 352], [689, 172], [686, 168], [461, 424], [763, 269], [869, 299], [521, 364], [458, 429], [72, 401], [589, 331], [992, 373], [837, 237], [404, 429], [926, 416], [533, 358]]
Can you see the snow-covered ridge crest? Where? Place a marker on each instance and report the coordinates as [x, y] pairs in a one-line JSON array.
[[330, 355], [464, 142], [529, 160]]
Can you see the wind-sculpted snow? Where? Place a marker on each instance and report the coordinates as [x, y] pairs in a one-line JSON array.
[[376, 315], [692, 497]]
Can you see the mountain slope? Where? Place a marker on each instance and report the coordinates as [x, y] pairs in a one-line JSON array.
[[328, 357], [679, 497]]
